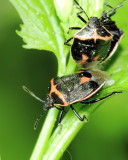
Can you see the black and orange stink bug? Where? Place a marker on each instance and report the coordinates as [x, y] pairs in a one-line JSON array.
[[77, 87], [97, 40]]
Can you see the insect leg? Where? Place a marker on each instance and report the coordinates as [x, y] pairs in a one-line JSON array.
[[108, 5], [78, 116], [74, 28], [37, 120], [113, 10], [68, 40], [82, 11], [97, 100], [80, 17], [60, 115]]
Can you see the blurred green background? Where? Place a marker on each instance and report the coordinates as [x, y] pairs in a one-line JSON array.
[[104, 137]]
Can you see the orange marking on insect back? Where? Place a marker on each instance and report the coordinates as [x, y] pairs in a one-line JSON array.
[[58, 93], [83, 60], [94, 36], [80, 71], [84, 80], [84, 57], [106, 38]]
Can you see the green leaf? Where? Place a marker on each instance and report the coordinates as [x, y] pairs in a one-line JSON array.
[[41, 29], [61, 7]]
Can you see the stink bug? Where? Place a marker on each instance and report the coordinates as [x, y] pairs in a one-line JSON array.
[[67, 90], [97, 40]]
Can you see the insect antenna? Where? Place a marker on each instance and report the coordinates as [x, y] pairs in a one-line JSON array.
[[32, 94], [113, 9], [38, 119], [37, 98], [81, 9]]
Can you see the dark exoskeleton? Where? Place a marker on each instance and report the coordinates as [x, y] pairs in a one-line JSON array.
[[70, 89], [97, 40]]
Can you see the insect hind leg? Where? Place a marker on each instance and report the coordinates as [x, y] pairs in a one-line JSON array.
[[60, 115], [97, 100], [78, 116]]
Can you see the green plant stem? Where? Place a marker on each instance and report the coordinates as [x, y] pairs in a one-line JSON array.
[[70, 66], [62, 63], [65, 133], [62, 139], [44, 135]]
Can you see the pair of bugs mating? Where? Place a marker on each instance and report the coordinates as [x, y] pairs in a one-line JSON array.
[[94, 43]]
